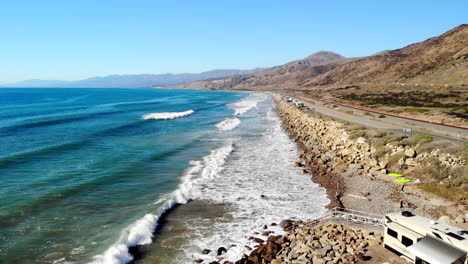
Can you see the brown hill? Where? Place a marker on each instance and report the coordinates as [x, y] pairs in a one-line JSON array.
[[439, 60], [443, 59], [290, 75]]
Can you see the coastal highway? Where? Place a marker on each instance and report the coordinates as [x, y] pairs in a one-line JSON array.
[[390, 123]]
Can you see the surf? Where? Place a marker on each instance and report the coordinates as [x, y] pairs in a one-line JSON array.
[[141, 232], [167, 115]]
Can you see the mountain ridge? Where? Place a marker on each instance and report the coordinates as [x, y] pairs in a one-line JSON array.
[[130, 80], [441, 59]]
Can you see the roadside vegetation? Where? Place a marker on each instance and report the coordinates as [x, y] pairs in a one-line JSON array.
[[452, 102], [432, 159]]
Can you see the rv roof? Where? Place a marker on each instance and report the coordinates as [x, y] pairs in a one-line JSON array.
[[423, 225]]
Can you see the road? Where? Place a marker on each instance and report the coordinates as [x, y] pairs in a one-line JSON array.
[[389, 123]]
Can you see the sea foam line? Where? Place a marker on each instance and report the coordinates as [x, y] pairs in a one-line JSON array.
[[249, 102], [141, 232], [228, 124], [167, 115]]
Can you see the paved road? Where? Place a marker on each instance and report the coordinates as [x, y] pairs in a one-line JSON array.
[[388, 123]]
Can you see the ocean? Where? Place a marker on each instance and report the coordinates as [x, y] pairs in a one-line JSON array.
[[143, 175]]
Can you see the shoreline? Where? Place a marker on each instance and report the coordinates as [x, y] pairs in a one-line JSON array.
[[306, 200], [340, 165], [336, 162]]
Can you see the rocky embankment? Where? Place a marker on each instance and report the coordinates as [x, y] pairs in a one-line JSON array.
[[355, 178], [304, 244]]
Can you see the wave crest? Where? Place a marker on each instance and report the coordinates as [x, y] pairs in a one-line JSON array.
[[141, 232], [228, 124], [249, 102], [167, 115]]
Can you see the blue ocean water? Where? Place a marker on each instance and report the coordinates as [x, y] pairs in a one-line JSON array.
[[77, 166], [87, 174]]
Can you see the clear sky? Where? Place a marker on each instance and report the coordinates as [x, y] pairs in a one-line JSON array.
[[75, 39]]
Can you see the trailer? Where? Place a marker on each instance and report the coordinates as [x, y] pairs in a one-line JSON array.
[[422, 240]]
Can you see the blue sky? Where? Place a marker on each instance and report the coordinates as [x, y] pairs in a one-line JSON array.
[[75, 39]]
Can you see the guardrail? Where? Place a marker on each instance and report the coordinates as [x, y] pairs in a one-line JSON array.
[[350, 215]]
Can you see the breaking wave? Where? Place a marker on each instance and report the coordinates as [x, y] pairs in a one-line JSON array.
[[167, 115], [141, 232], [228, 124], [249, 102]]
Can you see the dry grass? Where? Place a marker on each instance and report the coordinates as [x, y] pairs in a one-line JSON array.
[[447, 192], [380, 152], [418, 139], [447, 146], [356, 134], [412, 110], [443, 181], [376, 133], [393, 160]]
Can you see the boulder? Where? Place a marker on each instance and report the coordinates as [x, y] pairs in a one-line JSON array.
[[361, 140], [258, 240], [285, 224], [355, 166], [444, 219], [459, 219], [410, 153], [221, 250], [410, 162], [401, 161]]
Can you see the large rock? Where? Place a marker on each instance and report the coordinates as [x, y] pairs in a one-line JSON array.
[[444, 219], [285, 224], [361, 140], [410, 153], [459, 219]]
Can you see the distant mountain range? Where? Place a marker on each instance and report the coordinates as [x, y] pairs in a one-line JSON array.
[[440, 60], [132, 81]]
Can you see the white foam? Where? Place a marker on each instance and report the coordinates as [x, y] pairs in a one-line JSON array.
[[247, 103], [141, 232], [261, 186], [228, 124], [167, 115]]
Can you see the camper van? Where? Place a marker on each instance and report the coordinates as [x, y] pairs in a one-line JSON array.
[[422, 240]]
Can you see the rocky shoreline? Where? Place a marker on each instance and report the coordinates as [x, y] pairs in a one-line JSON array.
[[305, 243], [352, 174], [354, 179]]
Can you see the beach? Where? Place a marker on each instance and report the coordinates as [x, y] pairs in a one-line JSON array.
[[182, 176]]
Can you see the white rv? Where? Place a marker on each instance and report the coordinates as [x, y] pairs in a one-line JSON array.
[[422, 240]]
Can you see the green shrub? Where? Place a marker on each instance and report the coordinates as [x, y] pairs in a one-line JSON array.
[[418, 139]]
